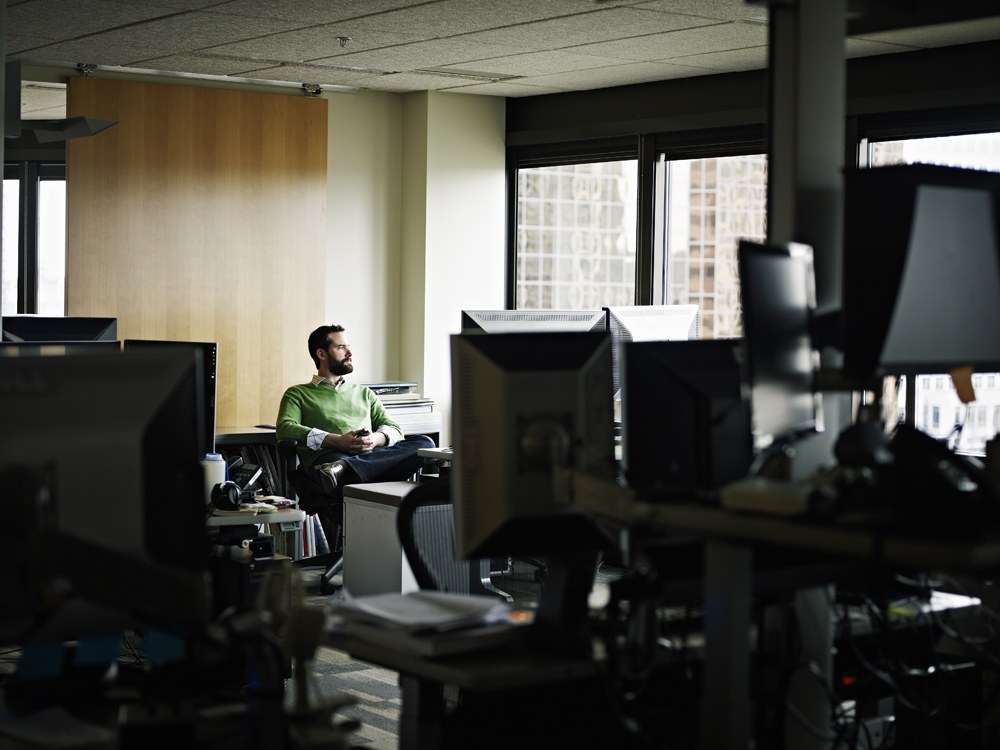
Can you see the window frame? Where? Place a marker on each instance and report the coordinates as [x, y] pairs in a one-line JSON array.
[[29, 174], [646, 149]]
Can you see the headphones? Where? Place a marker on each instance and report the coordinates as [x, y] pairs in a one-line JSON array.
[[226, 496]]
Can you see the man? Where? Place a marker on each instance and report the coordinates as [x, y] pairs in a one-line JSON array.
[[342, 429]]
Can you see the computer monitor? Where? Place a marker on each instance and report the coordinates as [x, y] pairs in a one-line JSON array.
[[43, 328], [921, 273], [648, 323], [114, 445], [532, 321], [57, 348], [524, 405], [685, 417], [209, 358], [778, 296]]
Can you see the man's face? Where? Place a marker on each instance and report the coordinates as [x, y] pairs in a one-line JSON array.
[[338, 355]]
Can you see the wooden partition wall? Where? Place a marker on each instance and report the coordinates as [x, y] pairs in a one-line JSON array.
[[201, 216]]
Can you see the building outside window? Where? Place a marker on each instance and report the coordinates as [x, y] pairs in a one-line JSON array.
[[576, 235], [710, 205]]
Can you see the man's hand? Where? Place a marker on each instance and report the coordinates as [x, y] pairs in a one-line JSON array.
[[355, 442]]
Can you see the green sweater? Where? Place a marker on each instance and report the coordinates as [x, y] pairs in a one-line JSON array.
[[337, 410]]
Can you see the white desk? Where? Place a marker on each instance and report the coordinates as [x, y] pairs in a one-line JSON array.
[[374, 562], [287, 522]]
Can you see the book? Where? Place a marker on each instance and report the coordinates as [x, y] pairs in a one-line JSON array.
[[392, 387]]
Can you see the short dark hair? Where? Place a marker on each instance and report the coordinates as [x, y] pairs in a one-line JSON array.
[[320, 339]]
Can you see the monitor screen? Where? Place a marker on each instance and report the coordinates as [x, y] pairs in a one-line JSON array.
[[524, 404], [778, 298], [921, 270], [42, 328], [532, 321], [685, 416], [57, 348], [648, 323], [209, 358], [116, 445]]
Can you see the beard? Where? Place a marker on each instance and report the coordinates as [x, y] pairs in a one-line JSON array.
[[344, 367]]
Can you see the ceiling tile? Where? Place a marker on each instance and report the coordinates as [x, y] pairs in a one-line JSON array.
[[748, 58], [306, 12], [540, 63], [428, 54], [596, 26], [506, 88], [71, 19], [43, 102], [307, 74], [628, 73], [723, 10], [674, 44]]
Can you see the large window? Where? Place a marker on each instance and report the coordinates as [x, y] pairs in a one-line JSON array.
[[938, 410], [710, 205], [34, 239], [576, 235]]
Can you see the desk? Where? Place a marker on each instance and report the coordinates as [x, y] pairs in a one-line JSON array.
[[287, 521], [374, 562], [731, 538]]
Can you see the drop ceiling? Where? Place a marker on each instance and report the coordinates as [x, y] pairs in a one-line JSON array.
[[509, 48]]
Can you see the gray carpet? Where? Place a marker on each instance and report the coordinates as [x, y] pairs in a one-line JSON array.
[[376, 690]]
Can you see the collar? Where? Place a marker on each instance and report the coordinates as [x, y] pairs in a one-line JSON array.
[[320, 380]]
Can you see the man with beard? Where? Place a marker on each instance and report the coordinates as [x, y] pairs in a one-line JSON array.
[[342, 429]]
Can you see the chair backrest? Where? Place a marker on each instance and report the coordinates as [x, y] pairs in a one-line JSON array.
[[426, 527]]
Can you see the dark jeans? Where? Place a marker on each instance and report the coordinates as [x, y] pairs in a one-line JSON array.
[[392, 464]]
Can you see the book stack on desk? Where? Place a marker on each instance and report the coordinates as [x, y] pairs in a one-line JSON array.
[[427, 623]]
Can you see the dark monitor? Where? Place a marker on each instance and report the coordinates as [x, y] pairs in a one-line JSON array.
[[42, 328], [685, 416], [113, 445], [532, 321], [209, 357], [524, 405], [648, 323], [57, 348], [778, 297], [921, 273]]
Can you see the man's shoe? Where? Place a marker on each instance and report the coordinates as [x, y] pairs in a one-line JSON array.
[[332, 474]]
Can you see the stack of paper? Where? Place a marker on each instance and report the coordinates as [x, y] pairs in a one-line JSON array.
[[427, 623]]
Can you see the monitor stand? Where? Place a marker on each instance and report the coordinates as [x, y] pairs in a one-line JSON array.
[[562, 621]]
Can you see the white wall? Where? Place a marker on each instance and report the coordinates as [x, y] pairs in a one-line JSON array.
[[416, 228], [363, 292], [463, 234]]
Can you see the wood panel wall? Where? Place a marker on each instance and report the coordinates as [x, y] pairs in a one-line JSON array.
[[201, 216]]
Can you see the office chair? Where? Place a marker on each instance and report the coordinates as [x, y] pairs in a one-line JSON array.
[[426, 528], [316, 501]]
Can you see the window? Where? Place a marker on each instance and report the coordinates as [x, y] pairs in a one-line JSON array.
[[580, 217], [34, 238], [708, 206], [973, 151], [576, 235]]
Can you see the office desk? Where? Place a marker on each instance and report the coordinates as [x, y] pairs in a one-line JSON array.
[[288, 522], [730, 541]]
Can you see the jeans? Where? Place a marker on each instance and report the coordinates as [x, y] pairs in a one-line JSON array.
[[391, 464]]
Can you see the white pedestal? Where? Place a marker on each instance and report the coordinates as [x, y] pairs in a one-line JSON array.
[[374, 562]]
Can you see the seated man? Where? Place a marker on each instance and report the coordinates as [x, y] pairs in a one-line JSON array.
[[343, 431]]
